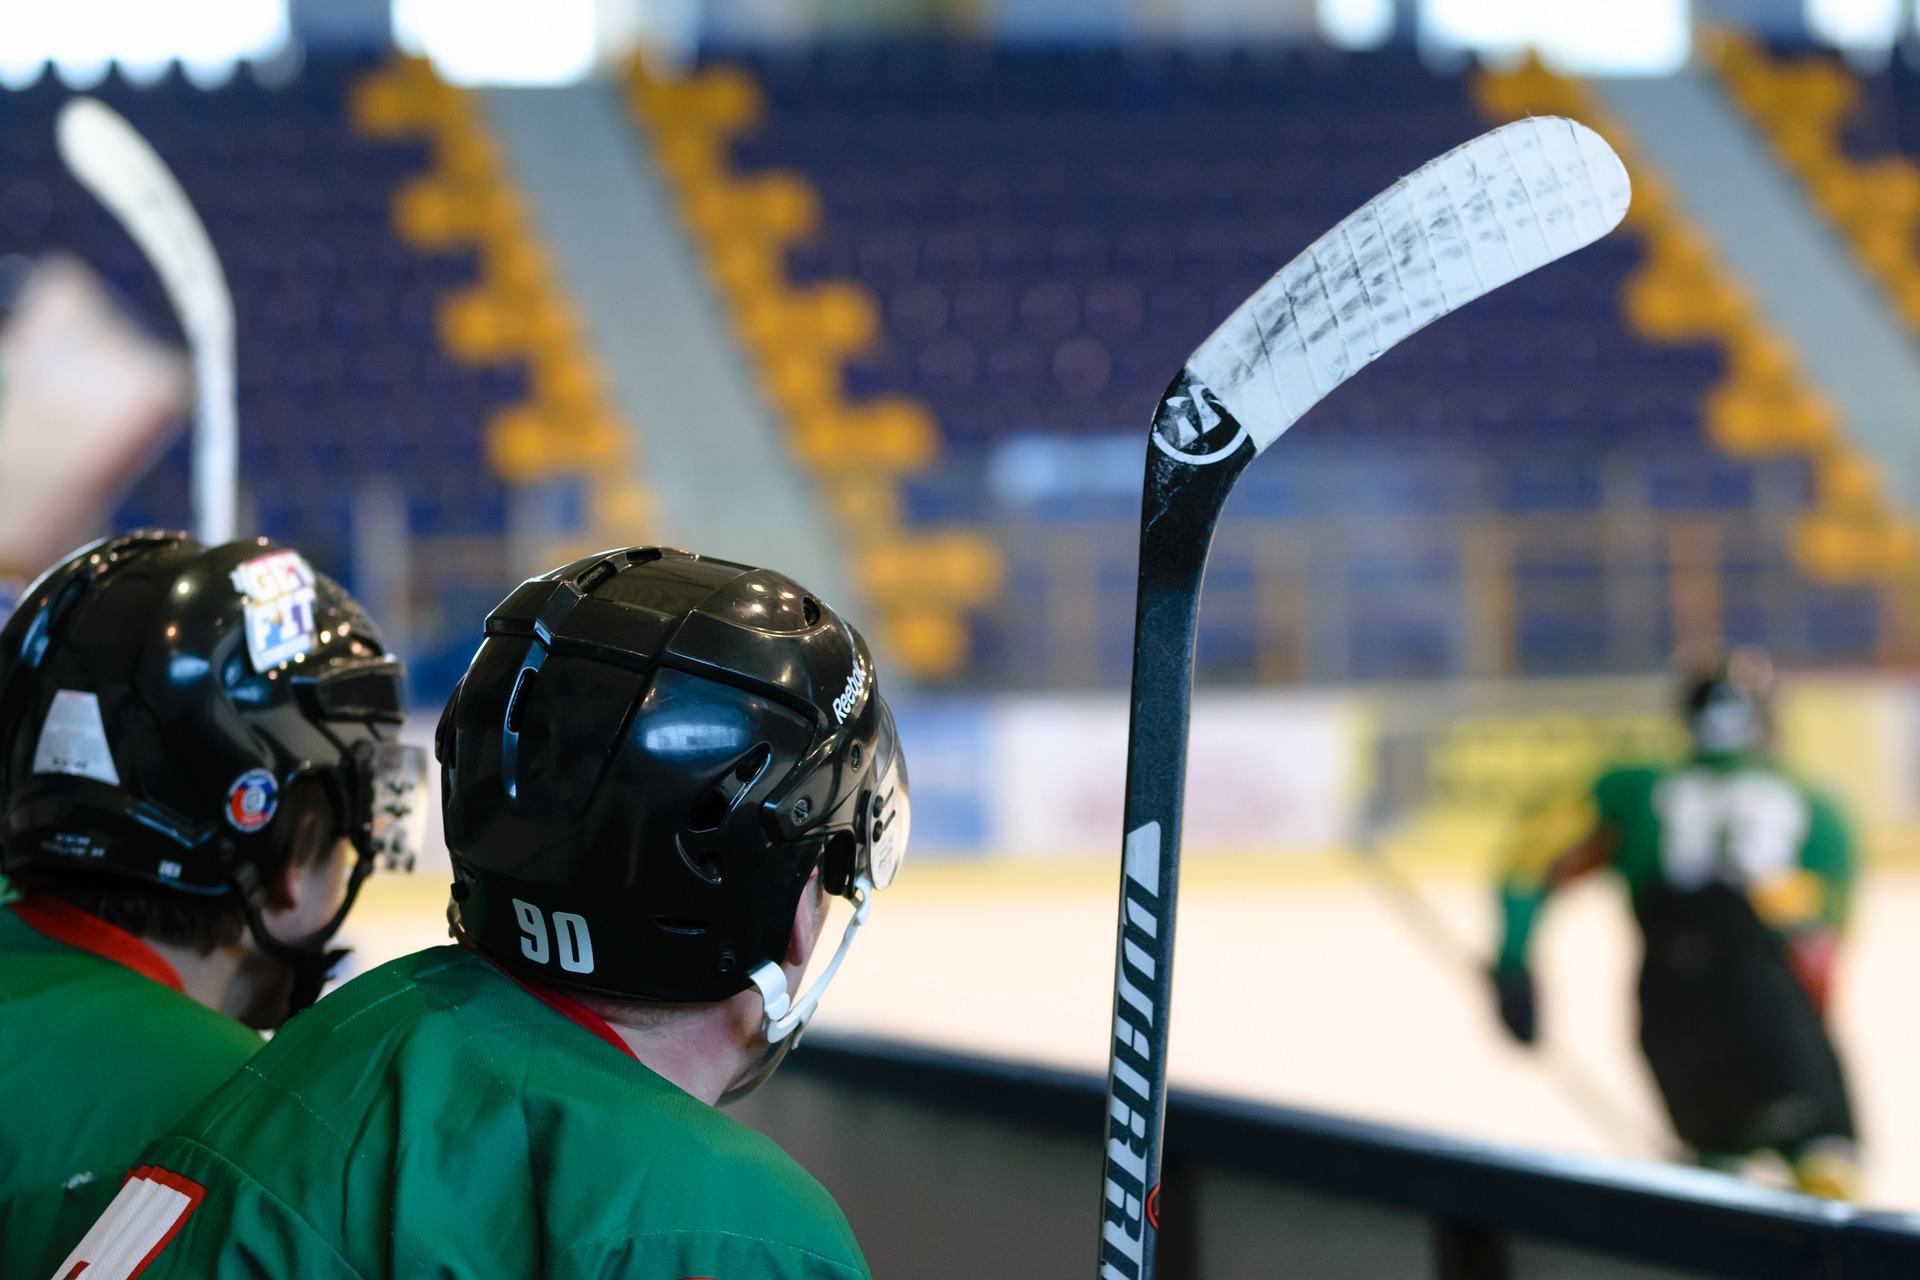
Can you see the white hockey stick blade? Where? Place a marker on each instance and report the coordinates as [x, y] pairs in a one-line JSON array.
[[1480, 216], [126, 175]]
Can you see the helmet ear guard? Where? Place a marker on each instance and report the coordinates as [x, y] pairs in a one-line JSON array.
[[858, 862]]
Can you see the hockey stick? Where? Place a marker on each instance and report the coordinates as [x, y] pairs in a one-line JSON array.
[[126, 175], [1483, 214], [1585, 1094]]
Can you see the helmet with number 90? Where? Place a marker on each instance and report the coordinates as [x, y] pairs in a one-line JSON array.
[[649, 756]]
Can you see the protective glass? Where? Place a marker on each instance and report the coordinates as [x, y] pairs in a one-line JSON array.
[[397, 798]]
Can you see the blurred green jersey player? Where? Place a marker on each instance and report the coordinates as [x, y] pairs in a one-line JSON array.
[[188, 743], [654, 772], [1740, 877]]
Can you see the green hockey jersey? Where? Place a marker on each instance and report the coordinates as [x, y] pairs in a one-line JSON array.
[[1738, 821], [100, 1053], [437, 1117]]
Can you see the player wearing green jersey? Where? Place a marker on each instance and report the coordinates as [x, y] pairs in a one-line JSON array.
[[189, 742], [654, 771], [1740, 877]]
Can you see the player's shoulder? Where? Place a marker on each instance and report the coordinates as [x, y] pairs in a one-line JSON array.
[[711, 1147], [651, 1159], [391, 1010], [1636, 773], [61, 993], [340, 1052], [1625, 782], [1782, 774], [1823, 805]]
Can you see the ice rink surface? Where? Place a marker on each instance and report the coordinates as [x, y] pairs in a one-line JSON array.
[[1308, 983]]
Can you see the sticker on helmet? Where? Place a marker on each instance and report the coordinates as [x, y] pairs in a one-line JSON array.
[[73, 739], [252, 799], [279, 591]]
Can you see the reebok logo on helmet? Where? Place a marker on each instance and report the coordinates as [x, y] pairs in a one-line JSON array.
[[849, 698]]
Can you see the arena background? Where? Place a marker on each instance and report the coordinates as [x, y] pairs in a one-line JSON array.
[[882, 293]]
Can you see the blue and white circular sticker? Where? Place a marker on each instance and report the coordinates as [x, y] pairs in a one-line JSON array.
[[252, 799]]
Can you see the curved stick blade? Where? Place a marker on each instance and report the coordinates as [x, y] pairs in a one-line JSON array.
[[125, 174], [1480, 216]]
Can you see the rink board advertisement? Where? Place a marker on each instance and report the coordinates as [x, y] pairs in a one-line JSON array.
[[1291, 772], [1281, 772]]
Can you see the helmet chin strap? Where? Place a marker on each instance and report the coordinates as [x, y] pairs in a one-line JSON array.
[[310, 960], [782, 1014]]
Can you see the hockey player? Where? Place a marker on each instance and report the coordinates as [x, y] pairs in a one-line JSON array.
[[191, 741], [1740, 877], [654, 770]]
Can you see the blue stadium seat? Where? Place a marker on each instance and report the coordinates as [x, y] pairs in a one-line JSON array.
[[1051, 231], [341, 374]]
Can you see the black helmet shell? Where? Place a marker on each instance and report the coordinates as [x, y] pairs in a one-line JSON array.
[[152, 629], [649, 755]]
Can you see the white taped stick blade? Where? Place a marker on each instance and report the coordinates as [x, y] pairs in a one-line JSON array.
[[125, 173], [1480, 216]]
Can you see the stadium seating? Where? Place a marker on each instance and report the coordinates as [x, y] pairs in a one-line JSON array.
[[1047, 233], [342, 376]]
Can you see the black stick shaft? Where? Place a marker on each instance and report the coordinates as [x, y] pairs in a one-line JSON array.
[[1181, 505]]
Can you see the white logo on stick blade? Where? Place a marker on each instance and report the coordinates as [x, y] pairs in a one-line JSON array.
[[850, 696], [73, 739]]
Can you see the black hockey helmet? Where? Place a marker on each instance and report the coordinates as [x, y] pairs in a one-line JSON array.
[[157, 698], [1726, 706], [650, 754]]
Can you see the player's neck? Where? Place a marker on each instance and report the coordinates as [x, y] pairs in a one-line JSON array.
[[234, 979], [702, 1049]]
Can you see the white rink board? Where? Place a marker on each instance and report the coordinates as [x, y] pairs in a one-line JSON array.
[[1298, 983]]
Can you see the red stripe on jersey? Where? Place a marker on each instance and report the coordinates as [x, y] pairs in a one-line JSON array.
[[192, 1190], [566, 1006], [64, 922]]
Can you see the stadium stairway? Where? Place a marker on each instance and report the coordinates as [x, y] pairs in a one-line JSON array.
[[1805, 284], [985, 263], [1734, 260], [721, 476], [1844, 139], [1842, 136], [563, 453], [919, 581]]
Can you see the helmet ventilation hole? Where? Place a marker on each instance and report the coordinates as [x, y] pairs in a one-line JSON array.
[[594, 578], [708, 812], [675, 924], [810, 610], [711, 809], [517, 704], [752, 763]]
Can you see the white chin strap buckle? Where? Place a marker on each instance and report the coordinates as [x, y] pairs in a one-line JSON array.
[[784, 1014]]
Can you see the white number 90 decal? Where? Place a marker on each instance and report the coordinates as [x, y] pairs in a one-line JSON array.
[[574, 945]]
